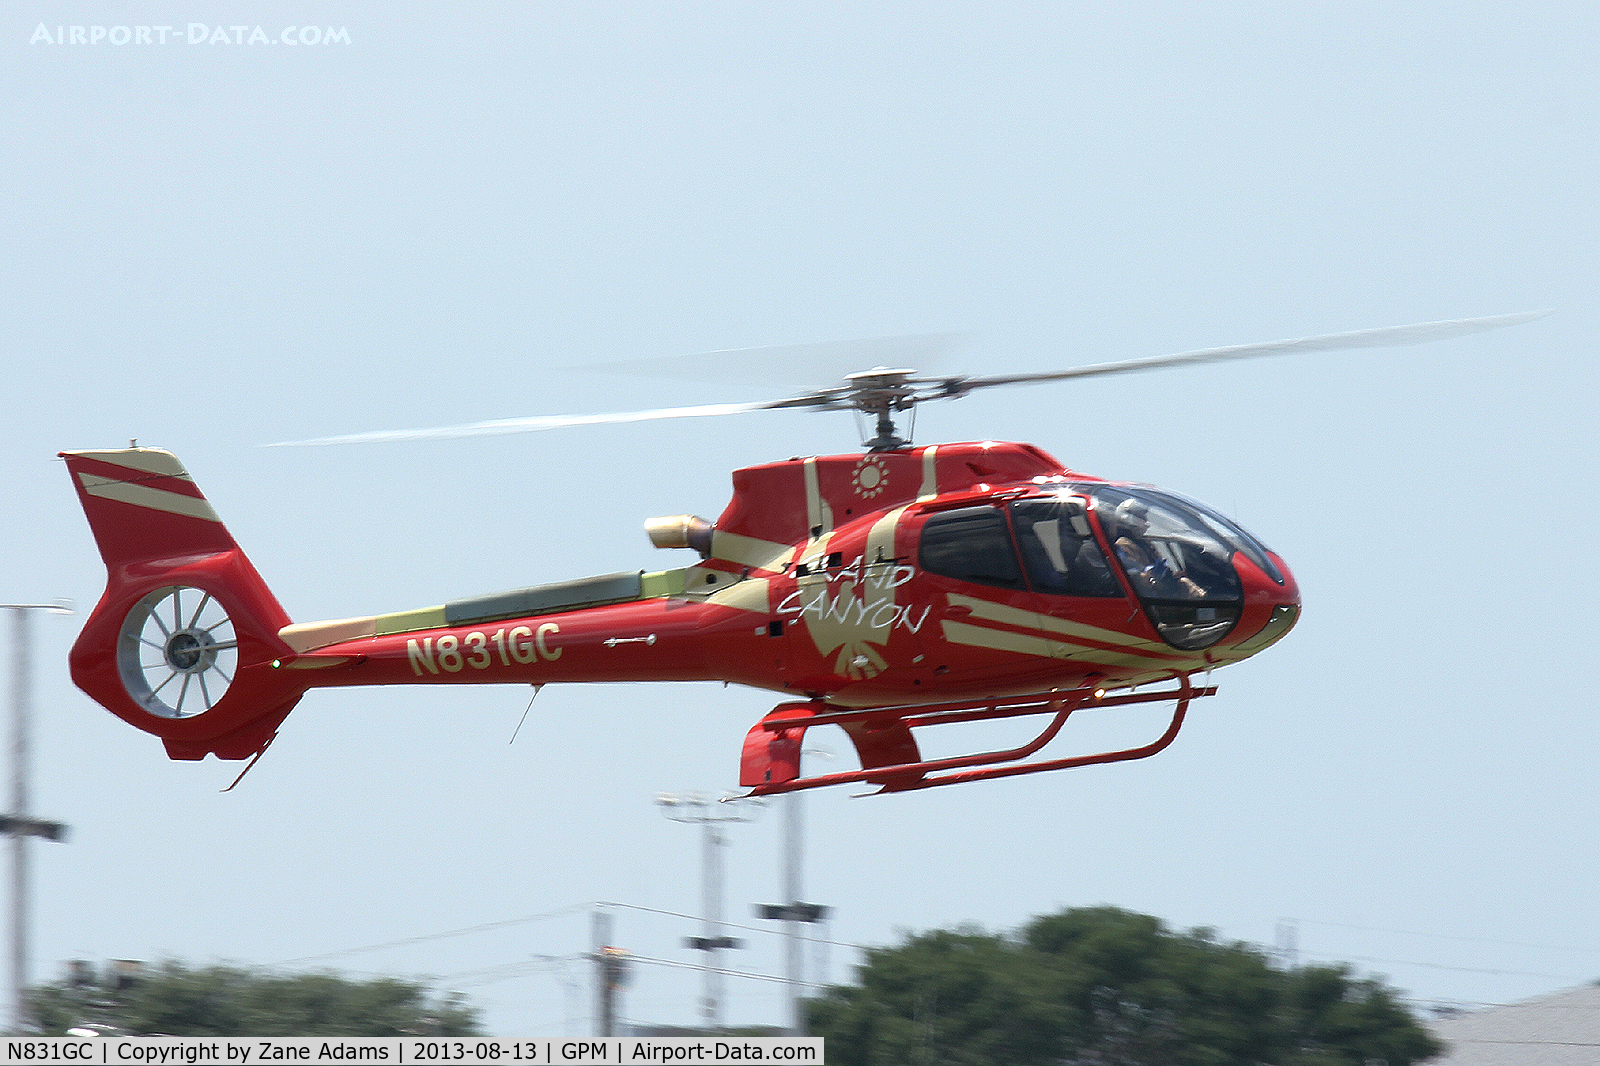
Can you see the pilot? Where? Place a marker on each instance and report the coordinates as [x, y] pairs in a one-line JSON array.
[[1140, 559]]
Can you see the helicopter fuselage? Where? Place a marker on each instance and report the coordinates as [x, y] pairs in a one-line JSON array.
[[933, 583], [869, 580]]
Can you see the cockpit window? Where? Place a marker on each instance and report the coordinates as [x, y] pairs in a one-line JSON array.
[[971, 544], [1059, 549]]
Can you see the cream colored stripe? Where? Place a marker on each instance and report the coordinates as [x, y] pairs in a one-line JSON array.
[[881, 538], [1013, 616], [819, 516], [930, 475], [1121, 658], [750, 551], [304, 636], [145, 496], [1027, 644], [147, 460], [662, 583], [1001, 640], [411, 621], [750, 594], [814, 559]]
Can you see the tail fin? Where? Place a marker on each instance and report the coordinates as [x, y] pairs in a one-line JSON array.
[[184, 642]]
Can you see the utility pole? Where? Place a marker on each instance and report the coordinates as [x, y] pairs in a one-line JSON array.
[[610, 973], [1288, 947], [711, 815], [18, 824], [794, 914]]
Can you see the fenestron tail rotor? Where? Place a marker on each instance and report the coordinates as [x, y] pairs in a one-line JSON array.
[[177, 652], [883, 392]]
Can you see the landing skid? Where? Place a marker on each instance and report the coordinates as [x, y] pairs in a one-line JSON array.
[[891, 759]]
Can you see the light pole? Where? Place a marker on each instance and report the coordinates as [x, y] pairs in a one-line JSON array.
[[18, 824], [711, 815]]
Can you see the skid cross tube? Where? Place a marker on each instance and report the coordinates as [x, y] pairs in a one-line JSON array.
[[788, 722]]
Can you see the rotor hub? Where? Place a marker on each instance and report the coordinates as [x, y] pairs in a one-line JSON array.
[[880, 392], [189, 651]]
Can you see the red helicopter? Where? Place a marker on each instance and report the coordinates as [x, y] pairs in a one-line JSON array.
[[884, 592]]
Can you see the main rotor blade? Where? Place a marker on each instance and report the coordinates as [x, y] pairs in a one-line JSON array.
[[792, 367], [1384, 337], [905, 391], [528, 425]]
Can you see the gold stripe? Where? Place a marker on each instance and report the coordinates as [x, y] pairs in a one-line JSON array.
[[881, 538], [661, 583], [1001, 640], [752, 594], [1027, 644], [750, 551], [305, 636], [999, 612], [1118, 658], [411, 621], [930, 475], [704, 580], [145, 496], [815, 559], [819, 516]]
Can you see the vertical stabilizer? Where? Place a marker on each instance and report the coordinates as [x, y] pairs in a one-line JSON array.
[[184, 641]]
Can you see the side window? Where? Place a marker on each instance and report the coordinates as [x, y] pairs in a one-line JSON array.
[[970, 545], [1059, 550]]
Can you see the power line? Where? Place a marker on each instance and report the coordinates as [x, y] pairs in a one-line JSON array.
[[768, 931], [505, 971], [560, 913], [1441, 966], [735, 925], [1526, 1043], [1453, 936], [721, 970]]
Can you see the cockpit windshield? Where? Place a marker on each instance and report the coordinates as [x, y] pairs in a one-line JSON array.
[[1167, 551], [1178, 556]]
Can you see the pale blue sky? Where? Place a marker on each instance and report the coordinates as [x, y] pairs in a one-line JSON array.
[[214, 246]]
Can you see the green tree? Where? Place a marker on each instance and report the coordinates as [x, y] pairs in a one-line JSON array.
[[177, 1000], [1110, 987]]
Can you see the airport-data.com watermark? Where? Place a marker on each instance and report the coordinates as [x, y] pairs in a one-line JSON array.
[[194, 33]]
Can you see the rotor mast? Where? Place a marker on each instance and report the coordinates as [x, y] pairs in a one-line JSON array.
[[881, 392]]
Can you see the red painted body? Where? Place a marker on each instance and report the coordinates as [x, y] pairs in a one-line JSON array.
[[843, 582]]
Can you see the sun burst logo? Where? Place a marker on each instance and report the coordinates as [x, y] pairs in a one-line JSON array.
[[870, 475]]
